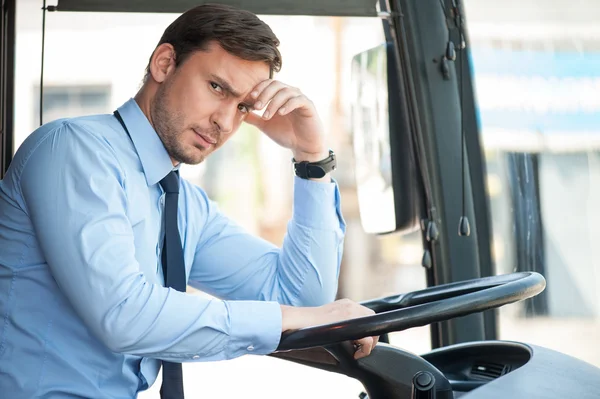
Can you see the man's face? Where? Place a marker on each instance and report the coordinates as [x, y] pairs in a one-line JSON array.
[[203, 101]]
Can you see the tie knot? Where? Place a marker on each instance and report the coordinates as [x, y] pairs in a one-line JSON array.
[[170, 183]]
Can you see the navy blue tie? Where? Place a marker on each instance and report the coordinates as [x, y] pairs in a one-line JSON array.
[[174, 272]]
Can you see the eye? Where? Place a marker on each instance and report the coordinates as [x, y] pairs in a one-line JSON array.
[[243, 108], [216, 87]]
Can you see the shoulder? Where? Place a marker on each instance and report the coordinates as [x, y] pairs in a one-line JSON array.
[[71, 139], [100, 127]]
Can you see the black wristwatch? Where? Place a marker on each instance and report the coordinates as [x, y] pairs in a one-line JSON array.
[[315, 170]]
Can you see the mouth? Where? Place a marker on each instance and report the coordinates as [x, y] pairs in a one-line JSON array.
[[204, 139]]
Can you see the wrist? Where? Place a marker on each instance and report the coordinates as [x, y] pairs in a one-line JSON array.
[[319, 162], [289, 319], [294, 318], [301, 156]]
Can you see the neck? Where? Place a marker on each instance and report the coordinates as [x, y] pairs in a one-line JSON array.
[[144, 101], [143, 98]]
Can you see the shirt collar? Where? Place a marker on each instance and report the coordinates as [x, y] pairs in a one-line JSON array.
[[155, 160]]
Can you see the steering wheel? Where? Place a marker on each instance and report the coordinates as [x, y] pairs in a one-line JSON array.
[[419, 308]]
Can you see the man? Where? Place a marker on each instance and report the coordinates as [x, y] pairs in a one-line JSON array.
[[87, 241]]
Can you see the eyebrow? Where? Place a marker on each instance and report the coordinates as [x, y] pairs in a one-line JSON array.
[[225, 85]]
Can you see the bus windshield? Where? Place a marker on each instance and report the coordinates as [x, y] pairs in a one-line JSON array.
[[537, 78]]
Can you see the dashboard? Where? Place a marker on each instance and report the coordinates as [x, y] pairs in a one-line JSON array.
[[504, 369]]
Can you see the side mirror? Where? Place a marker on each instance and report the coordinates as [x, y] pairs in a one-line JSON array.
[[386, 171]]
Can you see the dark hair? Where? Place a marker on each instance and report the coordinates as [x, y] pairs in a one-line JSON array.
[[239, 32]]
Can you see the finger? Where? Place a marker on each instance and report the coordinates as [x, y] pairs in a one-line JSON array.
[[262, 91], [364, 347], [269, 92], [254, 120], [260, 87], [280, 98], [293, 104], [371, 342]]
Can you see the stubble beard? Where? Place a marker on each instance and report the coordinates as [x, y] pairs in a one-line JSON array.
[[169, 125]]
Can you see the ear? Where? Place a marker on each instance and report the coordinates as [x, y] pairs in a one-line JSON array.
[[162, 62]]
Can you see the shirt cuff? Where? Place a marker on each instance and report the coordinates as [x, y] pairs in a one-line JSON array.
[[317, 204], [255, 327]]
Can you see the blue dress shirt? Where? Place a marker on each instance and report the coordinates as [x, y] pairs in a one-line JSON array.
[[83, 309]]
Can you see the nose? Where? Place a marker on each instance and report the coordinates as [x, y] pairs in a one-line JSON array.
[[224, 118]]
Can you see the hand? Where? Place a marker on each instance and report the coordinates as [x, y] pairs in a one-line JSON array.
[[295, 318], [290, 119]]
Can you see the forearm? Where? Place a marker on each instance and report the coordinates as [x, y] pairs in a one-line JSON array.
[[309, 266], [312, 249], [181, 327]]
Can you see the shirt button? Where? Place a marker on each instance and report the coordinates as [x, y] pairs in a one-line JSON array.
[[196, 357], [250, 348]]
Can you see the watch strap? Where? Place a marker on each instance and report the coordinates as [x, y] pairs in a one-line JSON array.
[[315, 170]]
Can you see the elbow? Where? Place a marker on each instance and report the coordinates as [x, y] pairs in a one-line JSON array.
[[121, 332], [318, 296], [122, 319], [124, 343], [327, 296], [315, 282], [118, 340], [113, 344], [318, 290]]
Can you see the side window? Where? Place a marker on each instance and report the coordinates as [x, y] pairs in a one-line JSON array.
[[71, 100], [60, 101]]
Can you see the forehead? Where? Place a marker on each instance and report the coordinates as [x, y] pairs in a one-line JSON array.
[[242, 75]]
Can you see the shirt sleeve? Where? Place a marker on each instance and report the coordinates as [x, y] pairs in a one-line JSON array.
[[232, 264], [74, 193]]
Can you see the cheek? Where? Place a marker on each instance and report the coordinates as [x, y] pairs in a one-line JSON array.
[[239, 121], [195, 99]]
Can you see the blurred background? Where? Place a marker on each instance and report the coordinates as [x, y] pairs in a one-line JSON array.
[[537, 76]]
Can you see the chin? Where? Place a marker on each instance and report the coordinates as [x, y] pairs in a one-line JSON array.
[[196, 156], [192, 160], [196, 161], [192, 156]]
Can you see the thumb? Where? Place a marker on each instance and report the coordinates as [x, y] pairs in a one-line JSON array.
[[255, 120]]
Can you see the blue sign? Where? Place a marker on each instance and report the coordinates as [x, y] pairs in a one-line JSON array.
[[537, 92]]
